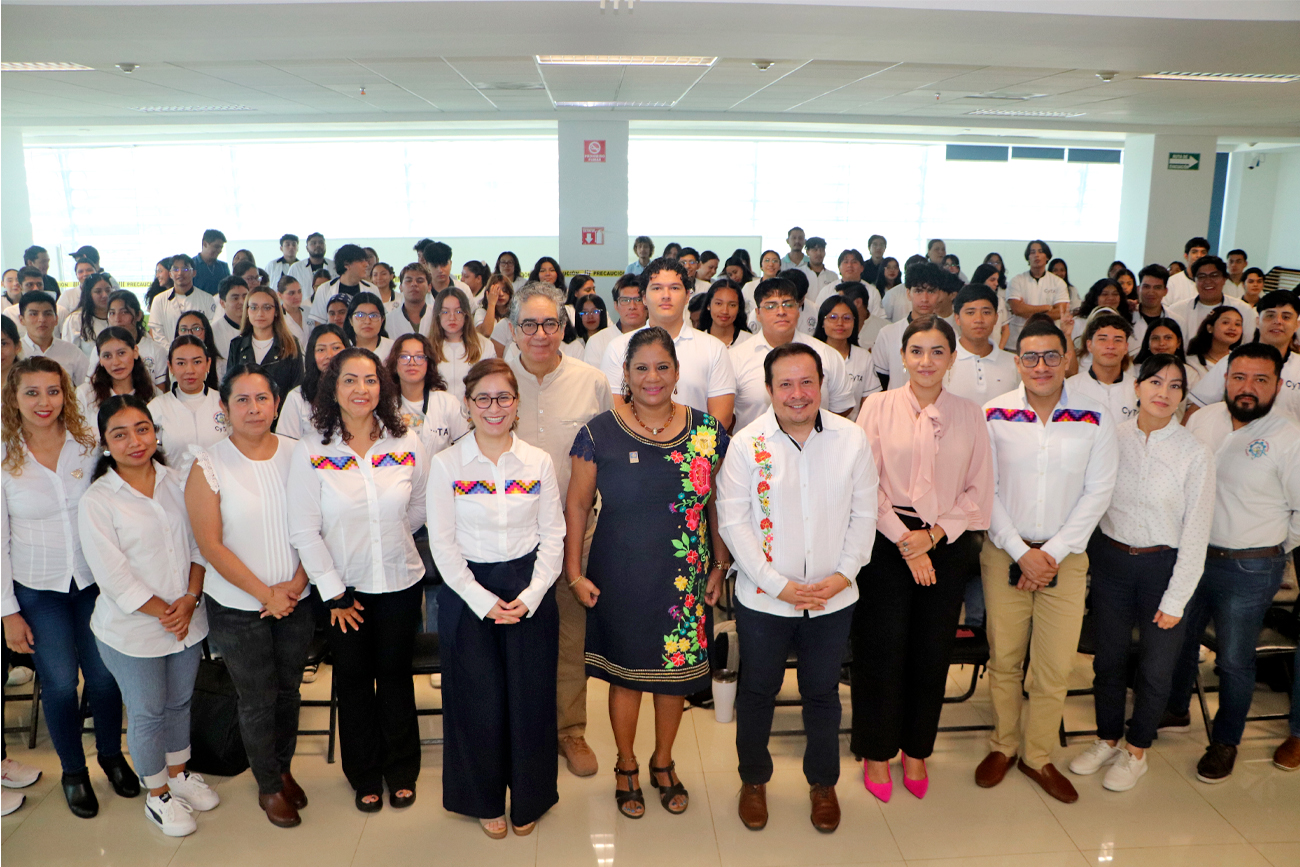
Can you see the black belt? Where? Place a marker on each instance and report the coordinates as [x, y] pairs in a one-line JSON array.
[[1243, 553], [1129, 549]]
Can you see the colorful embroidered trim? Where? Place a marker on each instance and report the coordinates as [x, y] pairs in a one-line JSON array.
[[763, 458], [998, 413], [325, 462], [393, 459], [1084, 415], [462, 488], [523, 486]]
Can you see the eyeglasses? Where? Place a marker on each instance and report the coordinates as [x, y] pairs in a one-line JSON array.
[[530, 326], [484, 401], [840, 317], [1051, 357], [182, 270], [412, 359], [196, 330], [1208, 275], [630, 299], [451, 314], [261, 308], [593, 312], [362, 316], [784, 305]]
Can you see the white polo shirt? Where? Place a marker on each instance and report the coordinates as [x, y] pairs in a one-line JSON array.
[[979, 379], [705, 369], [751, 383], [1119, 397], [1209, 389], [1181, 288], [1257, 486], [69, 357], [168, 308], [1048, 289], [1191, 313]]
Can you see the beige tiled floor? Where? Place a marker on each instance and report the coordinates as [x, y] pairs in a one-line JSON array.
[[1170, 820]]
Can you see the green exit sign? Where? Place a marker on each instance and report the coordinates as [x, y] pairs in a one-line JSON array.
[[1184, 162]]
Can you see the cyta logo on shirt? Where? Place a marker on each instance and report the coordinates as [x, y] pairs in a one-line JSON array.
[[1257, 449]]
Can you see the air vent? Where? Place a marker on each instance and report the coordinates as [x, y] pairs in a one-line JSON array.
[[168, 109], [8, 66], [1004, 95], [614, 105], [622, 60], [1007, 112], [1222, 76], [509, 85]]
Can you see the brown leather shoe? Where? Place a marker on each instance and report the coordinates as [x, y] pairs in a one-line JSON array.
[[753, 805], [579, 757], [1051, 781], [993, 769], [1287, 757], [278, 809], [293, 792], [825, 808]]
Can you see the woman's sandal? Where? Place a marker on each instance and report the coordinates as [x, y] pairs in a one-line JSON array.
[[523, 830], [632, 797], [667, 793], [370, 806], [490, 827], [400, 801]]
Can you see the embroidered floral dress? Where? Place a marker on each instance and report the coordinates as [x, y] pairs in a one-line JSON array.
[[651, 554]]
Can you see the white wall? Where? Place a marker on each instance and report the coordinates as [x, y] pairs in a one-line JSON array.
[[1160, 207], [1284, 245], [1262, 208], [15, 213]]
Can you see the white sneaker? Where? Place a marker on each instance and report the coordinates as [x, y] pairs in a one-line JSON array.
[[172, 815], [1125, 773], [191, 789], [10, 801], [309, 673], [16, 775], [19, 675], [1094, 758]]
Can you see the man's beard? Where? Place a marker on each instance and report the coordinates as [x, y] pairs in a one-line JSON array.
[[1247, 415]]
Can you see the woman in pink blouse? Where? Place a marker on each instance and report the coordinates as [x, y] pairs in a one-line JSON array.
[[936, 484]]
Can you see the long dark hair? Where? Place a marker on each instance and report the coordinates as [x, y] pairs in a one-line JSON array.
[[1092, 299], [1163, 322], [209, 343], [107, 410], [581, 330], [156, 288], [365, 298], [311, 374], [881, 286], [827, 306], [101, 383], [433, 380], [985, 270], [1203, 341], [559, 272], [132, 302], [742, 313], [86, 306], [747, 273], [326, 416]]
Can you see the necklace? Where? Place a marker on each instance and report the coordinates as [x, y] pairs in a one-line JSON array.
[[655, 431]]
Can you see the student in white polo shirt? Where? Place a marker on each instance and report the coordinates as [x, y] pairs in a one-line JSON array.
[[980, 370], [1108, 378], [1036, 290], [1209, 272], [167, 307], [1256, 523], [1055, 459], [40, 316], [820, 278], [1279, 317], [1181, 285], [1152, 289], [707, 382], [924, 283]]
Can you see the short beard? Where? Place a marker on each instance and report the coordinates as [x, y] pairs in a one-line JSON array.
[[1246, 416]]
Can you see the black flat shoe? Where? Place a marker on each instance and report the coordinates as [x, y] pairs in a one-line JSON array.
[[398, 801], [81, 797], [375, 806], [120, 774]]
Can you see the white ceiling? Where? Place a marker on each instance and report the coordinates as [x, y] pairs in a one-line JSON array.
[[855, 62]]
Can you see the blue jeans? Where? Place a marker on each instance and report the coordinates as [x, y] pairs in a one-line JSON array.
[[1236, 593], [61, 636], [157, 690]]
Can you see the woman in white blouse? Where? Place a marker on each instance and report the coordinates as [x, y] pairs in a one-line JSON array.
[[357, 483], [1146, 559], [119, 370], [239, 511], [326, 342], [497, 534], [365, 325], [90, 317], [124, 311], [838, 327], [456, 345], [190, 413], [149, 619], [290, 291], [48, 590]]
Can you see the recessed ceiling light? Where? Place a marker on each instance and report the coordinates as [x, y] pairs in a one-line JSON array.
[[1222, 76], [622, 60], [1002, 94], [191, 108], [509, 85], [8, 66], [614, 104], [1006, 112]]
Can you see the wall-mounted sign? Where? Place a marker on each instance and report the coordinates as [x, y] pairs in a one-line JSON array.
[[593, 236], [593, 151], [1184, 162]]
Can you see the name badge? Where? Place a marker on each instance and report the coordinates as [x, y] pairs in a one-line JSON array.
[[633, 458]]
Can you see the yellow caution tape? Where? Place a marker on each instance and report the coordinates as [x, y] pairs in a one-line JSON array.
[[595, 273]]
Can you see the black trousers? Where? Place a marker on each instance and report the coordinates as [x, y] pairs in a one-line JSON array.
[[265, 657], [498, 699], [819, 644], [903, 635], [379, 734]]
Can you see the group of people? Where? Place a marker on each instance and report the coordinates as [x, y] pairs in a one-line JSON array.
[[561, 497]]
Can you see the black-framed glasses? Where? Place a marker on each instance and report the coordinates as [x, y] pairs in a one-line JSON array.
[[197, 330], [1030, 359], [182, 270], [485, 401], [784, 305], [405, 358], [362, 316], [530, 326], [1208, 275]]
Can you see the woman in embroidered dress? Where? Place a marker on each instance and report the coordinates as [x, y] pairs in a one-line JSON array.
[[652, 574]]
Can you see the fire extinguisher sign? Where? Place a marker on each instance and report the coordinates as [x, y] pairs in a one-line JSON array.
[[593, 236], [593, 151]]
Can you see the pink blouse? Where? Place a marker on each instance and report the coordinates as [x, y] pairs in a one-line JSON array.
[[935, 461]]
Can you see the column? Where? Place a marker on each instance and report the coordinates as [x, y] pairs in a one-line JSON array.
[[15, 211], [1165, 199], [593, 199]]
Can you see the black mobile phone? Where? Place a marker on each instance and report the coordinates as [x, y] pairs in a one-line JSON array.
[[1014, 574]]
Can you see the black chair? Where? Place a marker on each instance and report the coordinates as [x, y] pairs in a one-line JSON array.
[[427, 660], [33, 723], [318, 652], [971, 648], [1277, 638]]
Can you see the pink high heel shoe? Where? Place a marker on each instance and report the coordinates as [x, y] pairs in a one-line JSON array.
[[883, 791], [916, 787]]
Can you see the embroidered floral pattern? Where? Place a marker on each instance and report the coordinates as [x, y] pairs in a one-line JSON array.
[[763, 458]]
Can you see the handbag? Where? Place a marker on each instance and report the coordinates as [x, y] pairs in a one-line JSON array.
[[216, 746]]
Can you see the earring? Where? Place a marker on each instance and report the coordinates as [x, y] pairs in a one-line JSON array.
[[107, 454], [627, 393]]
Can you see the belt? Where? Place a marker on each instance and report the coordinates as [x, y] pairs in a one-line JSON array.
[[1129, 549], [1243, 553], [1035, 544]]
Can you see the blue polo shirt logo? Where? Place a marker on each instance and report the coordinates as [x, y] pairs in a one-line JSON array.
[[1257, 449]]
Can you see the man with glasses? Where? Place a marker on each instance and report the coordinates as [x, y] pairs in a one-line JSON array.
[[1181, 285], [1036, 290], [352, 265], [925, 283], [707, 382], [1209, 274], [168, 307], [778, 317], [558, 394], [631, 316], [1055, 458]]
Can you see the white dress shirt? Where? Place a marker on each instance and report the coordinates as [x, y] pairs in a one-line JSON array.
[[318, 313], [185, 420], [594, 352], [223, 333], [1054, 480], [72, 333], [887, 351], [168, 308], [1164, 495], [438, 420], [38, 521], [139, 547], [1257, 488], [353, 515], [484, 512], [797, 514], [453, 370], [1209, 389], [254, 516], [751, 383], [1048, 289], [553, 411], [819, 282], [1119, 397], [277, 268], [896, 303], [1211, 425], [1180, 287], [862, 377], [1191, 313], [304, 273], [69, 357], [704, 369], [979, 378], [874, 307]]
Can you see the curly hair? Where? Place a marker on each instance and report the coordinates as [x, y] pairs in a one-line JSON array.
[[327, 417], [433, 380], [101, 383], [70, 416]]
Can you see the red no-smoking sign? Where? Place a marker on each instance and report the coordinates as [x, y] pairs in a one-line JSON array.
[[593, 151]]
